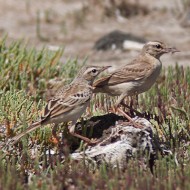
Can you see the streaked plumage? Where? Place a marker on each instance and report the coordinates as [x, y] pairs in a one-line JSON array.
[[69, 103]]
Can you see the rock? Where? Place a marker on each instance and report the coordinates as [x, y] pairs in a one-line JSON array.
[[119, 40], [122, 142]]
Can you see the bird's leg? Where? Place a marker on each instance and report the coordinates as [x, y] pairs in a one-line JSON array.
[[87, 140], [137, 125], [130, 108], [119, 101]]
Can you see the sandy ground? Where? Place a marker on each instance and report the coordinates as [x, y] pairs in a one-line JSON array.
[[77, 24]]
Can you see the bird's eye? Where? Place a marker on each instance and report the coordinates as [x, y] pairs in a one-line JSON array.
[[94, 71], [158, 46]]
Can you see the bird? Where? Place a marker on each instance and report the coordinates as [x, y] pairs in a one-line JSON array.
[[68, 104], [135, 77]]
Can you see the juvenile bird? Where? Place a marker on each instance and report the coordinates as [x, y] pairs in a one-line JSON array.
[[69, 103], [136, 77]]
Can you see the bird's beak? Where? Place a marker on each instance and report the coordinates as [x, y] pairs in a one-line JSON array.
[[170, 50]]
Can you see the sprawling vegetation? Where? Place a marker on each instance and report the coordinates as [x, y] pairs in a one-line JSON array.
[[24, 77]]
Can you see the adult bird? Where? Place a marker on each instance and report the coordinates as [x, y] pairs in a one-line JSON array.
[[136, 77], [69, 103]]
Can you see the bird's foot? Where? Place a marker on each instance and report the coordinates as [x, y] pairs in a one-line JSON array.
[[85, 139], [132, 110], [93, 142], [135, 124]]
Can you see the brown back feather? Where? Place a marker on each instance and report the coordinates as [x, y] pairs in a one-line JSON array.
[[133, 71]]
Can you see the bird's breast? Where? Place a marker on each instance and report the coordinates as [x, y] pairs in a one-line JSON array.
[[118, 89], [147, 82]]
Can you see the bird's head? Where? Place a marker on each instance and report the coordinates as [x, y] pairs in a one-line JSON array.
[[89, 73], [157, 49]]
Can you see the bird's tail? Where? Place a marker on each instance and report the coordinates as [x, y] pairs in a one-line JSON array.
[[31, 128]]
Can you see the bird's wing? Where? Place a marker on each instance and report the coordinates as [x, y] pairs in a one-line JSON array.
[[62, 91], [75, 95], [56, 91], [131, 72]]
